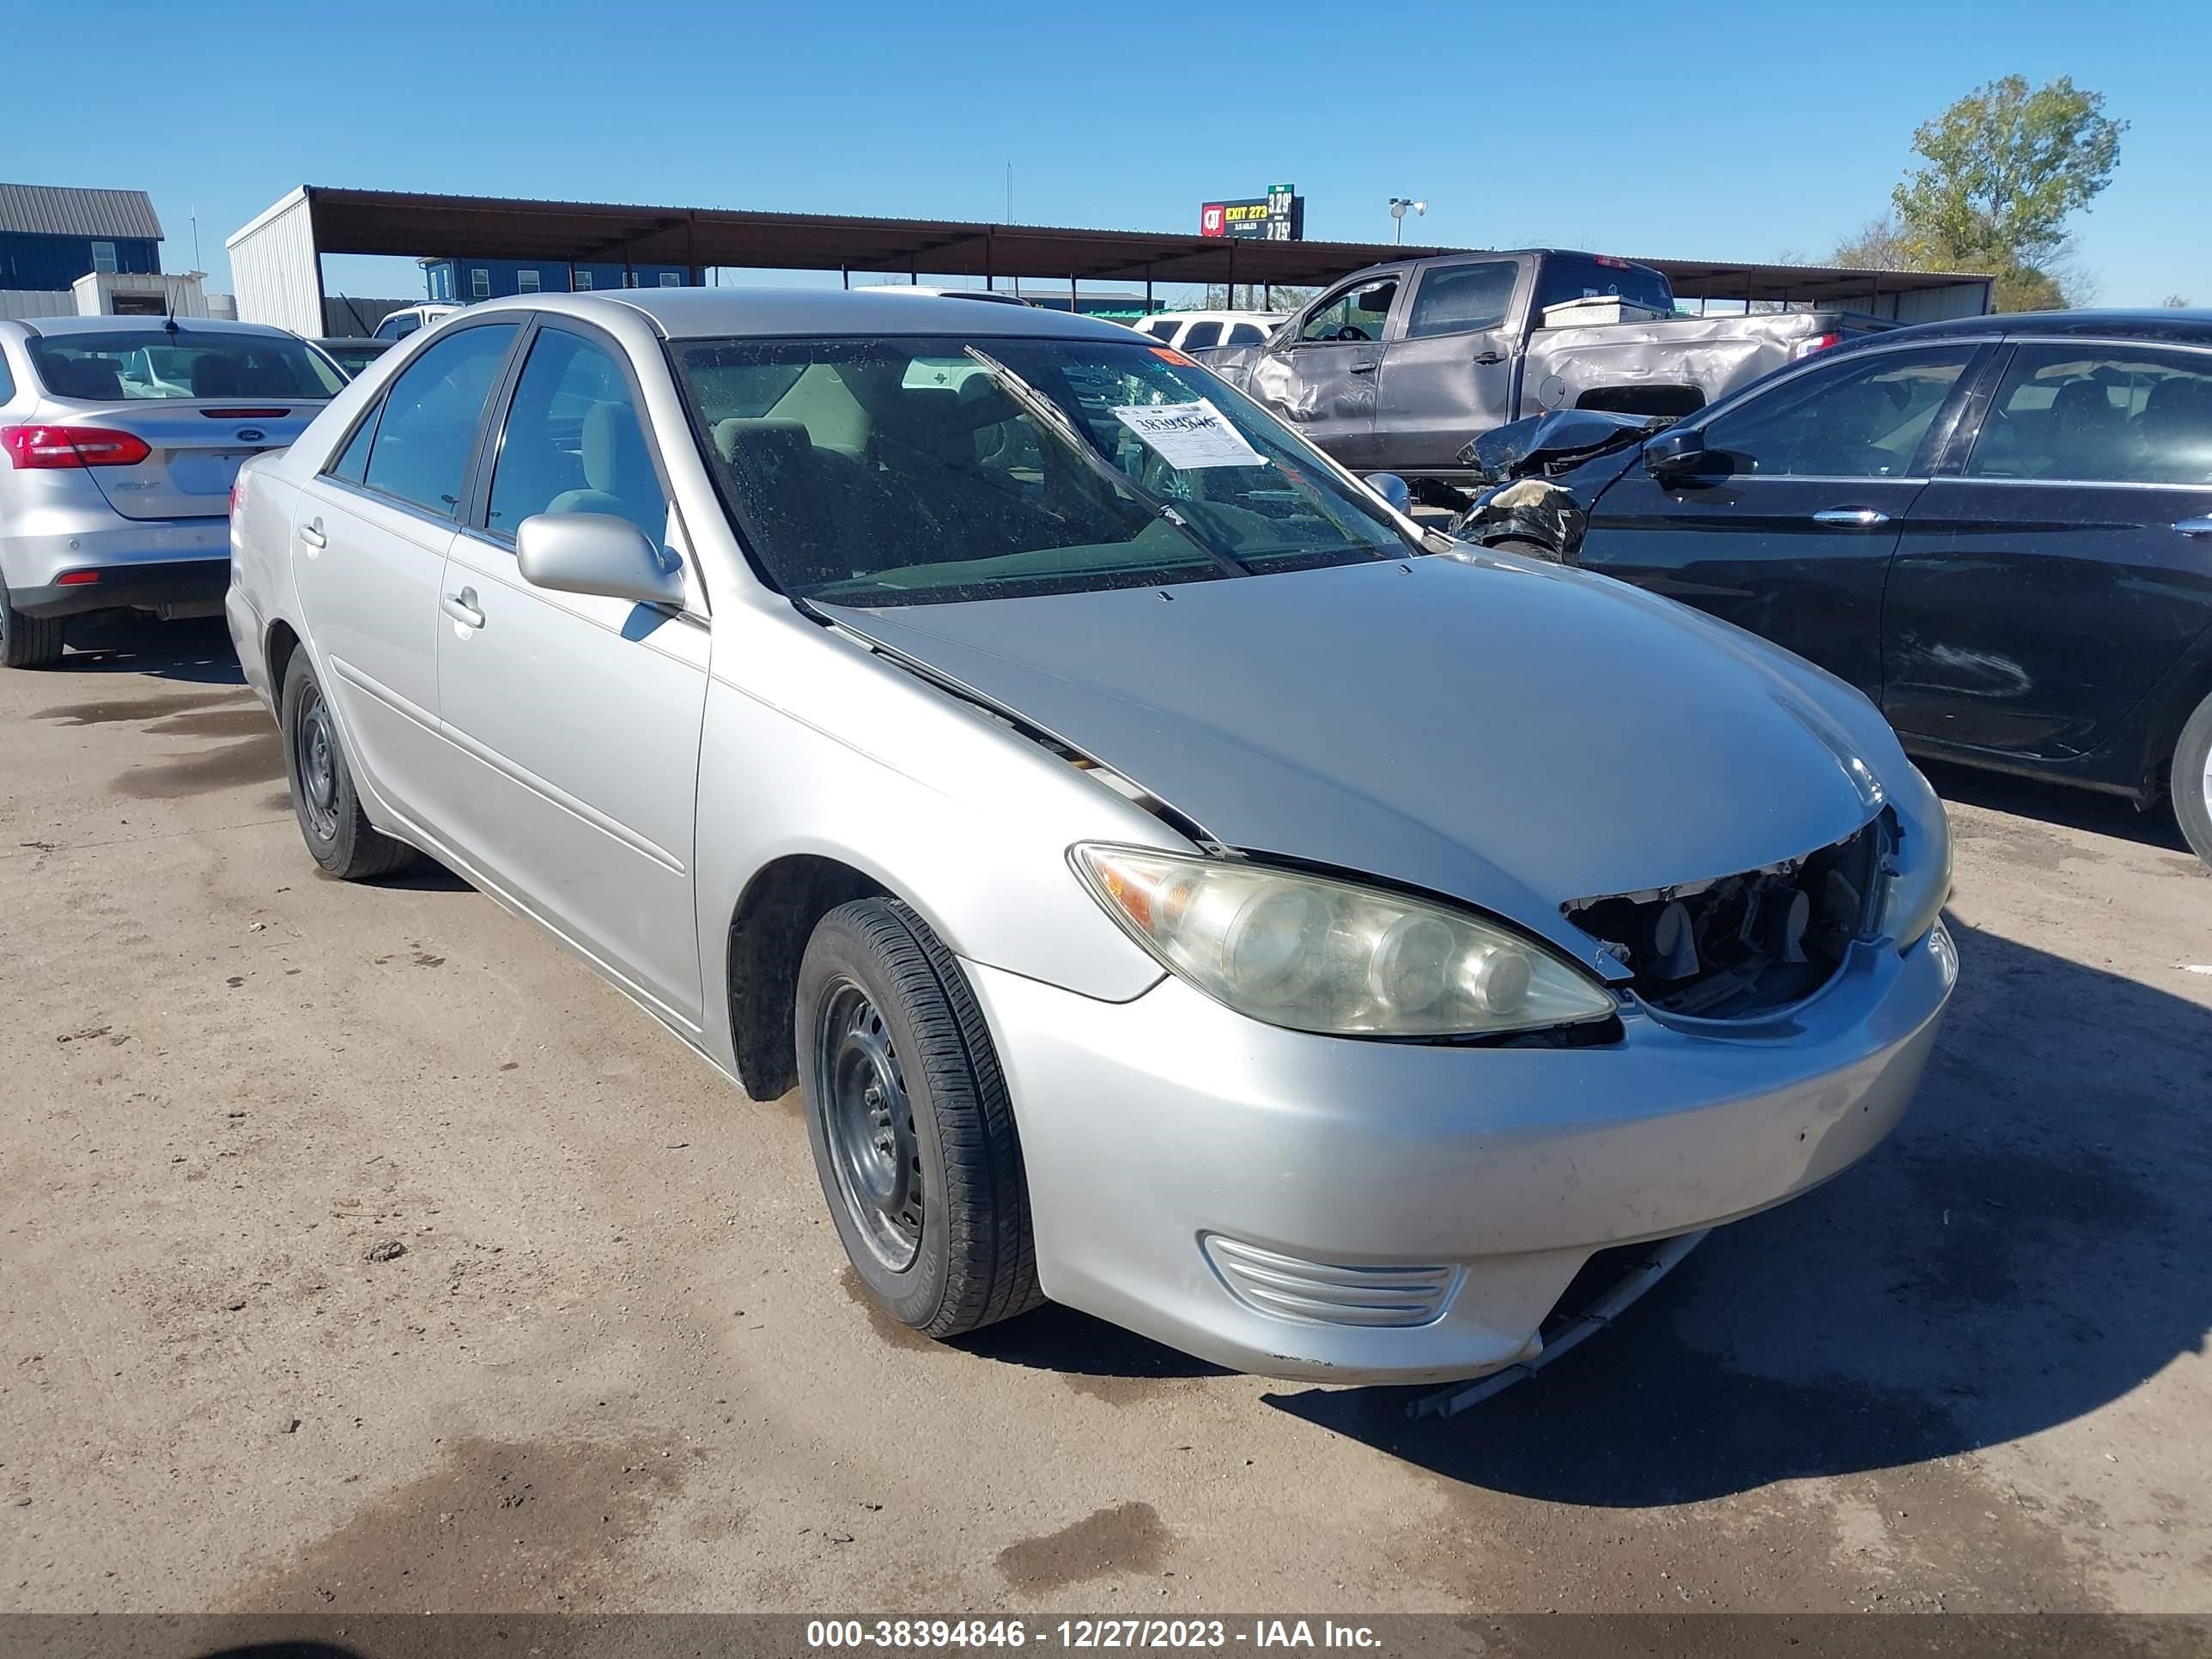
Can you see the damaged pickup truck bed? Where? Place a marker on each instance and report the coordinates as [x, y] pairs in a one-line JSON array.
[[1396, 368]]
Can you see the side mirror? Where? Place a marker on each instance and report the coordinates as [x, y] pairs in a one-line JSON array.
[[1675, 453], [595, 553], [1392, 489]]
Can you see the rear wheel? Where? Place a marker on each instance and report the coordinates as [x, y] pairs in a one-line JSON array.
[[912, 1134], [331, 822], [27, 642], [2192, 780]]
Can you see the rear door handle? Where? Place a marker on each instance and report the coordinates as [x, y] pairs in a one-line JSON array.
[[1364, 369], [1863, 517], [1489, 359], [462, 607], [2195, 526], [311, 533]]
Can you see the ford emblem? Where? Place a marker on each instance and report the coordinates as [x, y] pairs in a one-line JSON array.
[[251, 434]]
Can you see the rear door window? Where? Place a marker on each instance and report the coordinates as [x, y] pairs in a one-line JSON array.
[[1463, 298], [1201, 336], [2103, 415], [1245, 334], [431, 413], [353, 464]]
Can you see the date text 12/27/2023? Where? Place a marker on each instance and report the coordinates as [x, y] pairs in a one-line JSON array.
[[1079, 1633]]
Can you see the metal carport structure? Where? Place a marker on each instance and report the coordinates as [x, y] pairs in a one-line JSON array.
[[275, 259]]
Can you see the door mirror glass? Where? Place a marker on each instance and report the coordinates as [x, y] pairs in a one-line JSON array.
[[1392, 489], [1675, 453], [595, 553]]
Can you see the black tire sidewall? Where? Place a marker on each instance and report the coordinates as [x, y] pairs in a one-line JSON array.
[[2186, 782], [336, 852], [838, 950]]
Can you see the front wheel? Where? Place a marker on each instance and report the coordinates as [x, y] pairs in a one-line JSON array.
[[2192, 780], [331, 822], [912, 1134]]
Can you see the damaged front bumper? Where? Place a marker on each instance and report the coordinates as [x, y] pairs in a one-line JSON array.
[[1336, 1209]]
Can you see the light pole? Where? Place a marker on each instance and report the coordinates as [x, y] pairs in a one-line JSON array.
[[1398, 206]]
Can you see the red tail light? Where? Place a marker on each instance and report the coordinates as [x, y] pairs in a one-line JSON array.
[[76, 578], [34, 448], [1818, 343]]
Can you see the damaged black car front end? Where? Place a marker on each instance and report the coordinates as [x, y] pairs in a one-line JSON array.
[[1539, 476]]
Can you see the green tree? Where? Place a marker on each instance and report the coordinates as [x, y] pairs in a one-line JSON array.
[[1879, 246], [2005, 169]]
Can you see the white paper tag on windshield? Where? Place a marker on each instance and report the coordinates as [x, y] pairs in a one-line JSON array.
[[1189, 436]]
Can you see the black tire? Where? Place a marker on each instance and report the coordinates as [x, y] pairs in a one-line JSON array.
[[941, 1145], [1526, 549], [331, 822], [27, 642], [2191, 783]]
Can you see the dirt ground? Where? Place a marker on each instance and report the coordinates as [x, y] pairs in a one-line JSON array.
[[359, 1250]]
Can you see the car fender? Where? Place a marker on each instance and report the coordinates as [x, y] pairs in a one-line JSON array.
[[815, 744]]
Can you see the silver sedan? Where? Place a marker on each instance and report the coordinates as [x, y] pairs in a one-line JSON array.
[[1178, 886]]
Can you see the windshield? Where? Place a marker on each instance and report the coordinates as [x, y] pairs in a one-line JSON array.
[[119, 366], [907, 470]]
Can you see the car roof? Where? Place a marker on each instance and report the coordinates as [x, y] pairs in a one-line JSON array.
[[62, 327], [683, 313], [2177, 324]]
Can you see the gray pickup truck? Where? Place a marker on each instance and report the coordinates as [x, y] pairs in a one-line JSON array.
[[1396, 369]]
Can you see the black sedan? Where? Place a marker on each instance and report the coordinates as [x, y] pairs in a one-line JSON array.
[[1998, 528]]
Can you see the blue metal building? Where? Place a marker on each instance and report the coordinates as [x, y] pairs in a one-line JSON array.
[[462, 281], [51, 235]]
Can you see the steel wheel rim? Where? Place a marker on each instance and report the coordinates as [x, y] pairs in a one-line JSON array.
[[867, 1123], [314, 763]]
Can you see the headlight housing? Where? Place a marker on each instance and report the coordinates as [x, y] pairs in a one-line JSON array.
[[1320, 955], [1919, 883]]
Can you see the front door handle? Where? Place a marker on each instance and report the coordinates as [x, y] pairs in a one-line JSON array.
[[311, 533], [462, 607], [1364, 369], [1488, 359], [1857, 518], [2195, 526]]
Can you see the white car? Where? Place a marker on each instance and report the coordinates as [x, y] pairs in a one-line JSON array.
[[1209, 331]]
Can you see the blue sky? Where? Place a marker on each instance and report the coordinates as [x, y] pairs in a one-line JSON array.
[[1613, 127]]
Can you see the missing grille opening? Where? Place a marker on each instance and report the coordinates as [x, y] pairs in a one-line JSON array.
[[1745, 944]]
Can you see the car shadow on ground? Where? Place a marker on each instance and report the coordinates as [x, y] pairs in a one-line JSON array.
[[1057, 1339], [198, 651], [2025, 1248], [2052, 803]]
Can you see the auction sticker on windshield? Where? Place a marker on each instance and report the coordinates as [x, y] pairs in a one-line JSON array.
[[1189, 436]]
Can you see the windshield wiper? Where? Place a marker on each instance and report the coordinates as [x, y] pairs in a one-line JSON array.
[[1055, 420]]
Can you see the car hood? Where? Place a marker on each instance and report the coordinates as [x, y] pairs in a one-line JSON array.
[[1516, 735]]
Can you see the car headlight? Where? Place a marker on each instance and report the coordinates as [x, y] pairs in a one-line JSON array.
[[1318, 955], [1919, 867]]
